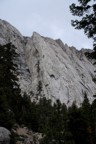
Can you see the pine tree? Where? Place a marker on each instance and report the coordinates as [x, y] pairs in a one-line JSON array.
[[9, 88], [93, 120], [86, 114], [77, 125], [86, 11]]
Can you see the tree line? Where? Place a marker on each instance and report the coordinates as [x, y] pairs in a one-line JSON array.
[[58, 124]]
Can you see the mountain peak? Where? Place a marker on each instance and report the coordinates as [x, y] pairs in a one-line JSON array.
[[50, 68]]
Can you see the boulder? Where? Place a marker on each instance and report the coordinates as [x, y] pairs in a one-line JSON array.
[[4, 136], [26, 136]]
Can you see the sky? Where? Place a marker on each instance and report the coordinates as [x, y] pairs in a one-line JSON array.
[[49, 18]]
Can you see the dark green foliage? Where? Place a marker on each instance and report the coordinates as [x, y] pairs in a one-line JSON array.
[[8, 85], [93, 120], [86, 10], [69, 126], [77, 125], [54, 127], [57, 123], [13, 137], [13, 106], [39, 88], [91, 55]]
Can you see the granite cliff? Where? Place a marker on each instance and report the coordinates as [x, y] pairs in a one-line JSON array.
[[50, 68]]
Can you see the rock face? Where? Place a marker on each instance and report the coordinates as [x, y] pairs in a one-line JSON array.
[[10, 34], [59, 72], [4, 136], [50, 68], [26, 136]]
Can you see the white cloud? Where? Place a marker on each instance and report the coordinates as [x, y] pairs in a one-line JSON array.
[[50, 18]]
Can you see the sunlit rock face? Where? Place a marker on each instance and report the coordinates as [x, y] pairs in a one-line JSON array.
[[50, 68], [63, 73]]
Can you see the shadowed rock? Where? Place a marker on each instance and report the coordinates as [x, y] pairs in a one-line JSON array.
[[4, 136]]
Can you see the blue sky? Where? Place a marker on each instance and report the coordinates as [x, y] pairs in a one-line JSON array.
[[50, 18]]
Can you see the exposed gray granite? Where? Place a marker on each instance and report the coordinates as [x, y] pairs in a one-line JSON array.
[[50, 68]]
